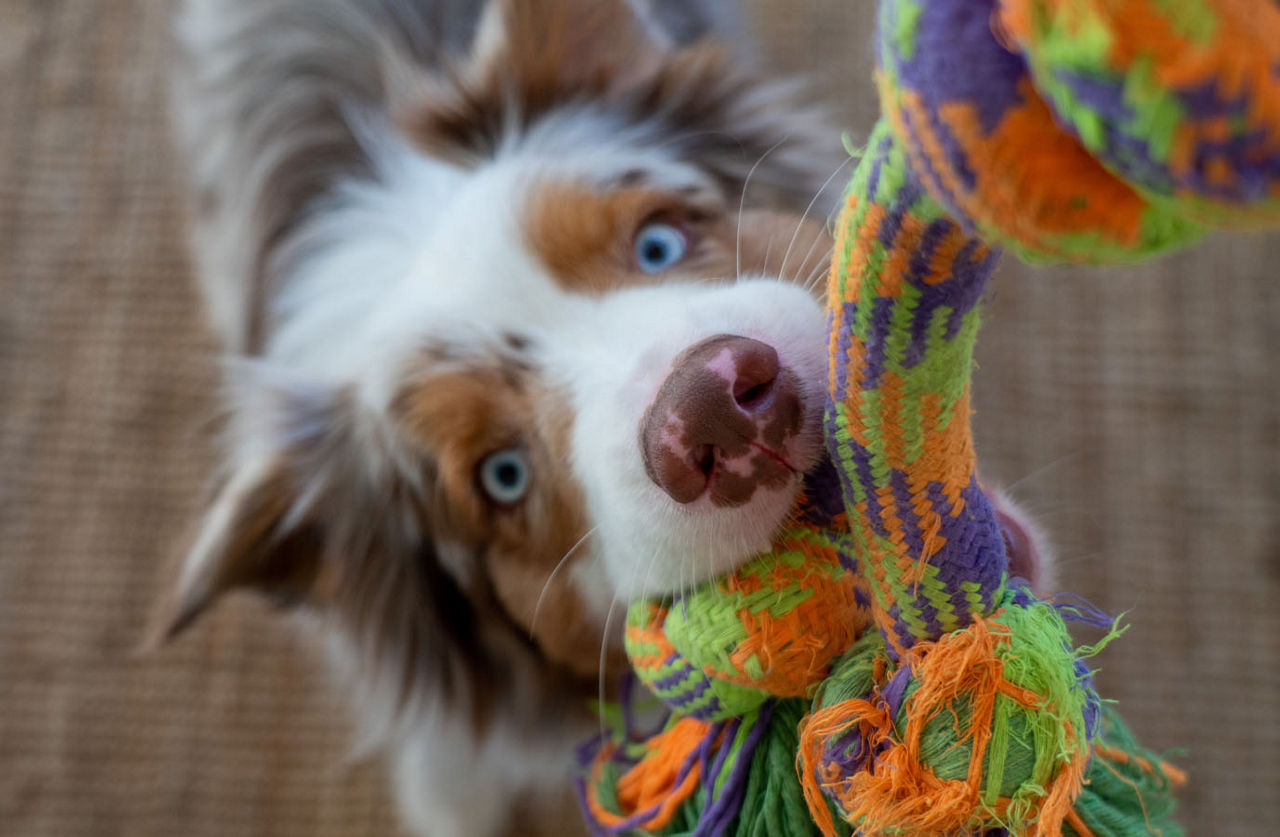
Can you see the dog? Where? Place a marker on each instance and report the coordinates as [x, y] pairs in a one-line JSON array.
[[520, 315], [519, 308]]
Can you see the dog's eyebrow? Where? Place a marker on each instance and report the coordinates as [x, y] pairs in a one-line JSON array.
[[437, 350], [631, 177], [636, 178], [515, 341]]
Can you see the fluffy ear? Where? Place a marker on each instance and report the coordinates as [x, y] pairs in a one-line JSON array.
[[264, 530], [568, 43], [1030, 555], [528, 57], [747, 129], [248, 540]]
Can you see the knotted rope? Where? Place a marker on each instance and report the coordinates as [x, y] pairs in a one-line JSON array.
[[1081, 130]]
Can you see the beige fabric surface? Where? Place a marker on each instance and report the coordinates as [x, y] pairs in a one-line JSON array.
[[1135, 411]]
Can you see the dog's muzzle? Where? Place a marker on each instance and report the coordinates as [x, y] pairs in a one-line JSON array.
[[722, 421]]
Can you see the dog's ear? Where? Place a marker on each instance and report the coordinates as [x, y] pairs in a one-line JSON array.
[[1030, 555], [528, 57], [265, 529], [747, 130], [588, 46], [249, 539]]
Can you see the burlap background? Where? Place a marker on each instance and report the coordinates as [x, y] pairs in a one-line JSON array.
[[1136, 411]]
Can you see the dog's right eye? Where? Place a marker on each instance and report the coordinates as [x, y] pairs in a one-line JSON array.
[[659, 246], [504, 476]]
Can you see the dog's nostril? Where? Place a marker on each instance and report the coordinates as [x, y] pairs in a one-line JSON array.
[[752, 396], [705, 457], [755, 370]]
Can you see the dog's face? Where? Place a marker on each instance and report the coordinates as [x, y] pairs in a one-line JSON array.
[[597, 372]]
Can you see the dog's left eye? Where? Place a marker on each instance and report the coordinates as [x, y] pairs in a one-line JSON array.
[[504, 476], [659, 246]]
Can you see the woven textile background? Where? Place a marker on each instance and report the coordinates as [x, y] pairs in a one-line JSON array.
[[1135, 411]]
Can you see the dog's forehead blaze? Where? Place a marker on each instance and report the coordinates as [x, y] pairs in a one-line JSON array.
[[458, 417]]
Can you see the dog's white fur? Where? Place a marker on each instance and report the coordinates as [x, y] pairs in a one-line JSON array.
[[331, 249]]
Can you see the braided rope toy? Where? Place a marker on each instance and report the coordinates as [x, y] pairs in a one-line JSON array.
[[1067, 130]]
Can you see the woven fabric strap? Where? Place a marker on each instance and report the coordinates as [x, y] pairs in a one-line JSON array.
[[903, 300]]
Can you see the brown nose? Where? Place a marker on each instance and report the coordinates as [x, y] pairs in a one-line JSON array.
[[721, 422]]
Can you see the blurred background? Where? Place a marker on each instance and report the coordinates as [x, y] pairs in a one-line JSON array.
[[1135, 411]]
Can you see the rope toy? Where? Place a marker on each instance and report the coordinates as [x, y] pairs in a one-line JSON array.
[[1081, 130], [1093, 131]]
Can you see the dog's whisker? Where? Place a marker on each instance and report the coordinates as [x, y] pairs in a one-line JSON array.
[[818, 267], [819, 270], [742, 203], [818, 278], [821, 264], [1037, 472], [546, 585], [604, 638], [603, 667], [684, 586], [768, 245], [782, 271]]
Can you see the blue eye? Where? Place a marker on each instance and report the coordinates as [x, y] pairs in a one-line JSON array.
[[504, 475], [658, 247]]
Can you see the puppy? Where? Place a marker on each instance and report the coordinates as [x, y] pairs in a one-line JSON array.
[[517, 310]]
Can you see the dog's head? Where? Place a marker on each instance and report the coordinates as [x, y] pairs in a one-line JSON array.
[[593, 369]]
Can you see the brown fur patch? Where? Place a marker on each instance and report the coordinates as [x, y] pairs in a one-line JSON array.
[[585, 236], [459, 418]]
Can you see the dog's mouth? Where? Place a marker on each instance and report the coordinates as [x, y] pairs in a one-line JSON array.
[[728, 422]]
